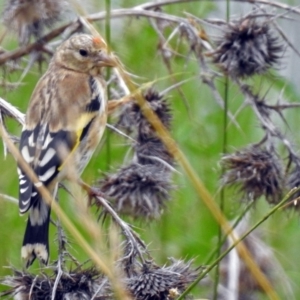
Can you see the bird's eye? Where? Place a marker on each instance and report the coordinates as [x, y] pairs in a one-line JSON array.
[[83, 52]]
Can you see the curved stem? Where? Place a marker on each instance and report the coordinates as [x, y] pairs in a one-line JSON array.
[[237, 241]]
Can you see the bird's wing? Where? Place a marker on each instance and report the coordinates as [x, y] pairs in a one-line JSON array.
[[45, 159]]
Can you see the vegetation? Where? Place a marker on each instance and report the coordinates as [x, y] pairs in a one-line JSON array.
[[222, 153]]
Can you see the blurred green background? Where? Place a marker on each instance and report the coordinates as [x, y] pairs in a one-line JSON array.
[[186, 229]]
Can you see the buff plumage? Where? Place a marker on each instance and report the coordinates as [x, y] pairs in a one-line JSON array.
[[65, 120]]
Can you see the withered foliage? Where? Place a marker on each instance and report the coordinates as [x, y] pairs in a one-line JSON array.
[[142, 187], [257, 172], [248, 47]]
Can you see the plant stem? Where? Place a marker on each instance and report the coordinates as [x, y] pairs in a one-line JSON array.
[[108, 72], [236, 222], [237, 241], [224, 150]]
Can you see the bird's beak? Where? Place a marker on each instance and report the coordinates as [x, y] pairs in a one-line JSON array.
[[106, 60]]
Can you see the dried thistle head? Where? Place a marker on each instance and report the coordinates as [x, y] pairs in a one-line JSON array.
[[293, 181], [152, 151], [128, 118], [132, 116], [80, 284], [247, 47], [160, 283], [257, 172], [138, 190], [29, 17], [148, 281]]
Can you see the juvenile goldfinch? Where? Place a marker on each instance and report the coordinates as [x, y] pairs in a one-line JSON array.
[[64, 123]]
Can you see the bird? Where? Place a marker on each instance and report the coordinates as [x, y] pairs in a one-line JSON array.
[[64, 122]]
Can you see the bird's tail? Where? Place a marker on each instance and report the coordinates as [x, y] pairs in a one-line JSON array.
[[36, 242]]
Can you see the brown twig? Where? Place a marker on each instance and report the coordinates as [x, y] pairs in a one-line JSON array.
[[15, 54]]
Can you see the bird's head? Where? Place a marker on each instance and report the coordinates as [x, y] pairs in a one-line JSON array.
[[84, 53]]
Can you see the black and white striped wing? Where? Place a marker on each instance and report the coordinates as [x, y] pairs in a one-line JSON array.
[[41, 149]]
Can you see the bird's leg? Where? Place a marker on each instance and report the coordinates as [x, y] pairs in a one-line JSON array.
[[91, 191]]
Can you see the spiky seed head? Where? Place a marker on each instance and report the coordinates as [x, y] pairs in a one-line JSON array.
[[156, 283], [29, 18], [152, 151], [138, 190], [293, 181], [256, 171], [79, 284], [148, 281], [132, 118], [248, 47]]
